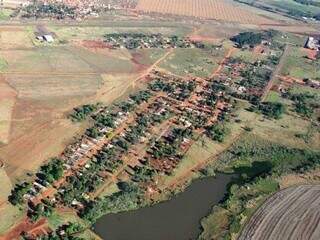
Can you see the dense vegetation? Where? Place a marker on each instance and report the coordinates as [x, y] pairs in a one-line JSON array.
[[305, 104], [51, 171], [247, 38], [18, 192], [39, 9], [271, 109], [309, 2], [81, 113], [128, 198], [141, 40], [217, 132]]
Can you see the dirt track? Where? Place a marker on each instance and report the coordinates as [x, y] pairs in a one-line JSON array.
[[291, 214], [276, 73]]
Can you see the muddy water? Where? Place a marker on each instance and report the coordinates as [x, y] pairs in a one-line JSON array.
[[177, 219]]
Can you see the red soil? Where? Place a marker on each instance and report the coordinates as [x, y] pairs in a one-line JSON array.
[[26, 226], [95, 44], [311, 54]]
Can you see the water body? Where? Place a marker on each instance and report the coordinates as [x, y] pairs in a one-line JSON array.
[[177, 219]]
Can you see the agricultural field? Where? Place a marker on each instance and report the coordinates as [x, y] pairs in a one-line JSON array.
[[205, 9], [287, 205]]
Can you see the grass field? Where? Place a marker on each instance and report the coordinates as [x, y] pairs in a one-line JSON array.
[[249, 56], [289, 7], [298, 66], [195, 62], [9, 216], [5, 14]]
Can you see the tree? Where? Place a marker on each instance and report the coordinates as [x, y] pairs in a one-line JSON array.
[[272, 109], [18, 192], [217, 132], [247, 38], [52, 171]]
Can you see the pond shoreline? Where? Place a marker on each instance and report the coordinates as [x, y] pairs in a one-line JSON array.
[[178, 218]]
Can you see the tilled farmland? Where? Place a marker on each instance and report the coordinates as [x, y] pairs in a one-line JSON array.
[[206, 9], [293, 213]]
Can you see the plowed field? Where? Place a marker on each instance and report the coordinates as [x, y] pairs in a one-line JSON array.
[[208, 9], [293, 213]]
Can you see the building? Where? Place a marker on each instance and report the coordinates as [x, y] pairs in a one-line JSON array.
[[313, 43], [46, 38]]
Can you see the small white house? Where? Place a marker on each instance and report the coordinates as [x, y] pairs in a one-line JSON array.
[[48, 38], [45, 38]]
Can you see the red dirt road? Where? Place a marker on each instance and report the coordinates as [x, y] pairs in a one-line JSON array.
[[222, 63]]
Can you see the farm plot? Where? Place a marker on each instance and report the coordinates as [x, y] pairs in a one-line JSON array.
[[208, 9], [290, 214]]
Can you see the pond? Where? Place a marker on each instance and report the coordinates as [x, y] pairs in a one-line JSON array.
[[176, 219]]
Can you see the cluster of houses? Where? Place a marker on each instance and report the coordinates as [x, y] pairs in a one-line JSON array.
[[86, 144], [188, 111], [138, 41], [85, 147]]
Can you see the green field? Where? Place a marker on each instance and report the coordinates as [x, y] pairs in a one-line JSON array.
[[289, 7], [5, 14], [298, 66], [195, 62]]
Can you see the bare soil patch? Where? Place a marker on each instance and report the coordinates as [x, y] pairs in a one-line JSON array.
[[95, 44]]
